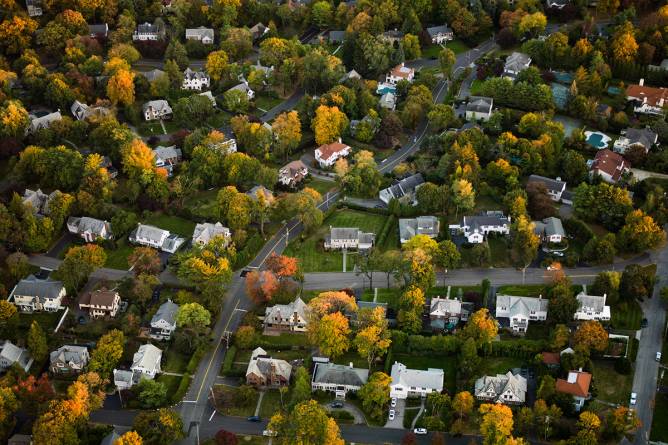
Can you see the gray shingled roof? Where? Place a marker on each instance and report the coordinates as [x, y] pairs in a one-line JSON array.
[[643, 136], [554, 185], [167, 311], [34, 287], [436, 30], [479, 104], [331, 373], [69, 353]]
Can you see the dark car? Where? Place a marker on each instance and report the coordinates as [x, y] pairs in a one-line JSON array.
[[254, 419], [336, 404], [644, 323]]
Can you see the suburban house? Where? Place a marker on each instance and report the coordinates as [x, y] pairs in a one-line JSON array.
[[156, 109], [440, 34], [632, 137], [145, 364], [147, 31], [551, 359], [448, 312], [476, 228], [591, 307], [479, 108], [516, 63], [205, 232], [414, 382], [201, 34], [328, 154], [348, 238], [422, 225], [287, 317], [34, 7], [336, 36], [11, 354], [557, 4], [163, 323], [403, 190], [38, 200], [520, 310], [244, 88], [391, 36], [293, 173], [258, 30], [373, 123], [155, 237], [33, 294], [98, 30], [339, 379], [604, 111], [508, 388], [555, 187], [82, 111], [265, 371], [388, 101], [577, 385], [647, 100], [90, 229], [107, 165], [399, 73], [609, 165], [229, 145], [68, 359], [260, 190], [550, 230], [100, 303], [41, 122], [167, 157], [195, 80], [23, 439], [350, 75]]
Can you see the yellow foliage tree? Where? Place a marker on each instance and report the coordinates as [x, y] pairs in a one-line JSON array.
[[216, 64], [129, 438], [497, 423], [591, 335], [482, 327], [328, 124], [16, 33], [371, 342], [121, 87], [13, 119], [138, 159], [332, 301], [330, 334], [625, 47]]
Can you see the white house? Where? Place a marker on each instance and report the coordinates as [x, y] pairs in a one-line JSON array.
[[205, 232], [264, 371], [440, 34], [557, 4], [479, 108], [447, 310], [156, 109], [550, 230], [90, 229], [11, 354], [399, 73], [34, 7], [41, 122], [147, 361], [147, 31], [167, 157], [163, 323], [227, 146], [293, 173], [32, 294], [422, 225], [520, 310], [414, 382], [81, 111], [201, 34], [338, 379], [195, 80], [641, 137], [555, 187], [577, 385], [476, 228], [403, 190], [647, 100], [244, 88], [508, 388], [155, 237], [287, 317], [592, 307], [100, 303], [328, 154], [348, 238], [516, 63], [68, 359]]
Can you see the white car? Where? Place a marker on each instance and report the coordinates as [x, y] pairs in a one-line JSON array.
[[269, 433], [393, 403], [391, 414], [634, 397], [420, 431], [658, 356]]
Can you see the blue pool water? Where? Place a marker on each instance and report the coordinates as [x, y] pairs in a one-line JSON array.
[[596, 140], [386, 89]]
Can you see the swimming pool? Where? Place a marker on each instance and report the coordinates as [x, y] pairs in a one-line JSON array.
[[597, 140], [386, 88]]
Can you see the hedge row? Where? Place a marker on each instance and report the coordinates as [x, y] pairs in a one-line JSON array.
[[229, 360], [517, 348], [401, 342], [251, 248], [195, 359], [353, 206], [390, 224]]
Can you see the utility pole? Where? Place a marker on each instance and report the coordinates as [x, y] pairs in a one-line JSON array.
[[226, 336]]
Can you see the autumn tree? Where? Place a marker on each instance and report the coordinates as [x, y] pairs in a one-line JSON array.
[[496, 426], [261, 285], [8, 317], [411, 307], [481, 327], [446, 61], [525, 242], [589, 425], [129, 438], [373, 340], [619, 421], [282, 266], [193, 319], [640, 232], [79, 263], [462, 195], [287, 132], [375, 395], [328, 124], [462, 404], [159, 427], [107, 353], [37, 344], [145, 260], [16, 33], [624, 46], [330, 334], [590, 336], [306, 424], [13, 119], [121, 87], [217, 65]]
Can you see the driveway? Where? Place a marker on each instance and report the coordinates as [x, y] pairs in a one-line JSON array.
[[398, 422], [357, 413]]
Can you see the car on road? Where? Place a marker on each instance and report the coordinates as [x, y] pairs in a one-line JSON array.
[[658, 356], [269, 433], [393, 403], [254, 419], [558, 253], [644, 323], [391, 414], [634, 398], [336, 404], [420, 431]]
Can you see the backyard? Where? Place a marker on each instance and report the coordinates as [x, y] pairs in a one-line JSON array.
[[457, 46], [118, 257], [447, 363], [626, 315], [174, 224], [612, 387]]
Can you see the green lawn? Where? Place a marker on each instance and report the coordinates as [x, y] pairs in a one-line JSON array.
[[172, 384], [389, 296], [626, 315], [291, 339], [440, 291], [150, 128], [611, 386], [219, 119], [321, 186], [527, 290], [500, 365], [310, 251], [500, 251], [447, 363], [352, 357], [118, 258], [431, 52], [266, 102], [174, 224], [204, 204], [659, 424], [271, 403], [227, 405], [475, 87], [46, 320], [174, 361]]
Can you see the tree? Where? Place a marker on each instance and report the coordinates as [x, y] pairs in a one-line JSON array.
[[217, 65], [621, 420], [17, 265], [16, 33], [481, 327], [287, 132], [590, 336], [640, 232], [13, 119], [121, 87], [525, 242], [36, 341], [462, 403], [177, 52], [497, 424], [236, 101], [302, 386], [306, 424], [282, 266], [469, 361], [224, 437], [330, 334], [321, 14], [8, 406], [624, 47], [446, 60], [129, 438], [541, 205], [559, 337], [411, 304], [441, 116], [145, 260], [422, 242], [447, 255], [8, 317], [193, 316], [151, 393], [107, 353], [375, 394], [411, 46], [607, 283], [462, 196], [328, 124], [372, 341], [78, 264], [159, 427]]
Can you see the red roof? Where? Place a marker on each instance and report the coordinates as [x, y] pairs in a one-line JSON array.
[[328, 150], [578, 387], [610, 163], [551, 358], [653, 96]]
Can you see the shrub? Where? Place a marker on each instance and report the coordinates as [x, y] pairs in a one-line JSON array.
[[623, 366]]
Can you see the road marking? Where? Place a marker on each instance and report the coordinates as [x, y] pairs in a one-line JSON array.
[[229, 320], [189, 401], [212, 414]]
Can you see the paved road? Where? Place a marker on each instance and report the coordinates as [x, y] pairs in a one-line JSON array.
[[651, 341], [287, 104]]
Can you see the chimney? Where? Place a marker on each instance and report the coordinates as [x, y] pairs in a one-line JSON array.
[[351, 364], [641, 82], [604, 295], [540, 296]]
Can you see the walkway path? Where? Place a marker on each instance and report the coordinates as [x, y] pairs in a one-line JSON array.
[[259, 403], [415, 419], [641, 175]]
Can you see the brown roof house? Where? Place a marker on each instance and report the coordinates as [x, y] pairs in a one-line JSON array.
[[100, 303], [293, 173], [647, 100], [551, 359], [266, 371], [609, 165], [577, 385]]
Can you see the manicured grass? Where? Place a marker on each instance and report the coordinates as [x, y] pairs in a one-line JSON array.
[[172, 384], [252, 440], [266, 102], [226, 405], [118, 258], [431, 52], [271, 403], [174, 361], [527, 290], [500, 252], [219, 119], [611, 386], [310, 251], [152, 128], [447, 363], [659, 424], [500, 365], [475, 87], [440, 291], [626, 315], [203, 204], [174, 224], [321, 186], [389, 296], [538, 331], [457, 46], [354, 357], [292, 339], [46, 320]]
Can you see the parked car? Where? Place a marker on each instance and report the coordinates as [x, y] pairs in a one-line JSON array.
[[658, 356], [634, 397], [254, 419], [269, 433], [393, 402], [336, 404], [391, 414], [420, 431], [644, 323]]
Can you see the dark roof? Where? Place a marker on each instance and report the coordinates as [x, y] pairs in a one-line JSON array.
[[480, 104], [34, 287], [555, 185], [337, 36], [436, 30]]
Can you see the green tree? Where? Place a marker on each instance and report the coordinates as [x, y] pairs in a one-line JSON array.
[[36, 341], [107, 353], [302, 386], [525, 242], [78, 264], [151, 393], [446, 60], [375, 395], [159, 427], [307, 423]]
